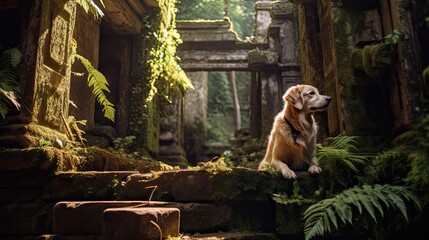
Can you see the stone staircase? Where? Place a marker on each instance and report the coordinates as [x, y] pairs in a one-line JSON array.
[[39, 203], [232, 204]]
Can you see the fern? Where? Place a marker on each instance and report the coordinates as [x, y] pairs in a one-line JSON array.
[[341, 149], [9, 89], [99, 83], [90, 7], [76, 132], [327, 215]]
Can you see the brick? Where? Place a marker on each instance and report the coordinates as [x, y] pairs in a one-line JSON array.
[[140, 223]]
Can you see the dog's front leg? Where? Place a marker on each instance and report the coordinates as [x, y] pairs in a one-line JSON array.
[[314, 168], [283, 169]]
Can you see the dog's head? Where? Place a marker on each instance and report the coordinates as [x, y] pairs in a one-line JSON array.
[[306, 98]]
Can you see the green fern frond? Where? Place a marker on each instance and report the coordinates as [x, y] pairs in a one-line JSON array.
[[322, 217], [341, 149], [9, 88], [73, 125], [99, 85]]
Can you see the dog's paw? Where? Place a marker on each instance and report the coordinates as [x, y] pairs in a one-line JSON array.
[[313, 169], [288, 174]]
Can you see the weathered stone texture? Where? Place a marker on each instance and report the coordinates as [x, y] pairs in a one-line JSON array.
[[195, 116], [150, 223], [52, 77]]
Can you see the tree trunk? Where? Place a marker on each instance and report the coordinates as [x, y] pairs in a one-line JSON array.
[[237, 115]]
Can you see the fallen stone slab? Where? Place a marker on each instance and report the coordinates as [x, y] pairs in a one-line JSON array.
[[140, 223]]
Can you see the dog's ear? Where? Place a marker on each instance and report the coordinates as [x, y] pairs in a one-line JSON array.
[[293, 96]]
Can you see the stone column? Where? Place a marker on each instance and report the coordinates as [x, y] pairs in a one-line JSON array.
[[143, 116], [46, 47], [171, 137], [262, 21], [195, 116]]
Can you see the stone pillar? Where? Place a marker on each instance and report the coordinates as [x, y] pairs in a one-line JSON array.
[[171, 137], [46, 47], [143, 116], [363, 99], [271, 100], [262, 21], [195, 116], [46, 95]]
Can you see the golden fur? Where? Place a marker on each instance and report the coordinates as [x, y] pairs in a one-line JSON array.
[[286, 153]]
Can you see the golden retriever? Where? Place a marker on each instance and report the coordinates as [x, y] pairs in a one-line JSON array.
[[292, 141]]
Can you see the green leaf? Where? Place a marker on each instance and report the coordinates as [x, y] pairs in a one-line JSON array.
[[99, 85]]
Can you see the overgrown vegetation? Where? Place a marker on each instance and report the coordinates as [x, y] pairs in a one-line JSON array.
[[9, 89], [328, 214], [97, 81], [340, 161], [165, 76]]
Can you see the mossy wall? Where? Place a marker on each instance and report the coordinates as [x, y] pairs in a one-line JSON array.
[[365, 101]]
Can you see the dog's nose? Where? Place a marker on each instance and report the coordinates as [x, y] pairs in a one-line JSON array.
[[328, 99]]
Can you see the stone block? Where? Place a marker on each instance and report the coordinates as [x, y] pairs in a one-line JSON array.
[[232, 236], [44, 158], [262, 58], [85, 185], [25, 218], [140, 223], [69, 216], [289, 219], [28, 135]]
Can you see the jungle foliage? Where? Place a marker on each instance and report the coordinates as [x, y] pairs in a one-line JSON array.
[[327, 215], [9, 88], [165, 76]]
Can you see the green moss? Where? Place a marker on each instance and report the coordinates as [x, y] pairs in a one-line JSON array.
[[97, 159], [377, 59]]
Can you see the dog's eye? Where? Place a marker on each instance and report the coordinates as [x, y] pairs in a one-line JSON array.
[[311, 93]]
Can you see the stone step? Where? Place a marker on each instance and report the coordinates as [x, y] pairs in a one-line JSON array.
[[90, 185], [215, 185], [231, 236], [140, 223], [195, 217]]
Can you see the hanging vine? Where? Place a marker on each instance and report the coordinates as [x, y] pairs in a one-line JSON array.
[[165, 76]]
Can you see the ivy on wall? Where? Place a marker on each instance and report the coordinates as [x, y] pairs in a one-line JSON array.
[[165, 76]]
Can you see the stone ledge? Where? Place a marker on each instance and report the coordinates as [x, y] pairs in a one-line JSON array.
[[202, 186], [140, 223], [85, 185]]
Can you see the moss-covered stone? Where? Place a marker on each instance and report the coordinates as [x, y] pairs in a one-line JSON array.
[[85, 185], [43, 158], [377, 59], [29, 135], [258, 57], [238, 184], [97, 159]]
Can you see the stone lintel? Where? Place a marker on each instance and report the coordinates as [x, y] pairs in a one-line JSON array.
[[195, 66], [262, 6], [203, 24], [137, 7], [121, 18]]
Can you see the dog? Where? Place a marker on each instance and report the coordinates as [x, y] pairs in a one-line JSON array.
[[292, 141]]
